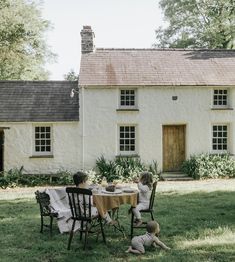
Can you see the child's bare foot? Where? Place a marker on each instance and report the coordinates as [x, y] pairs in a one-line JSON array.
[[138, 223], [128, 250], [112, 223]]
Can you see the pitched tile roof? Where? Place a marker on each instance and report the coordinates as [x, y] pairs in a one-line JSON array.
[[38, 101], [157, 67]]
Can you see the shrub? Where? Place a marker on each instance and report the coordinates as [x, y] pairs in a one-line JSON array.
[[123, 168], [16, 177], [206, 166]]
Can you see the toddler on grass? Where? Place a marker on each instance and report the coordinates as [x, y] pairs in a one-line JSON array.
[[138, 243]]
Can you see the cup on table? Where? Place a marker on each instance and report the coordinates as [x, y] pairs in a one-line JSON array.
[[104, 183]]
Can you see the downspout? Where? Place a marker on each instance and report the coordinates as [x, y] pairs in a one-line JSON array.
[[83, 127]]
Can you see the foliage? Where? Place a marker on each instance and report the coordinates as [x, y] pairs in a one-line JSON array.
[[71, 76], [123, 168], [16, 177], [197, 24], [23, 49], [198, 226], [206, 166]]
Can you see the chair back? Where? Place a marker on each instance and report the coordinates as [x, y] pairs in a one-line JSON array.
[[43, 200], [152, 197], [80, 200]]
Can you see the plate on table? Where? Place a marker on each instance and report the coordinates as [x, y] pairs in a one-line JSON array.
[[128, 190], [92, 186], [117, 191]]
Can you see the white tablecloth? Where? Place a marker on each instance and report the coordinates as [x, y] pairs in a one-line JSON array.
[[59, 203]]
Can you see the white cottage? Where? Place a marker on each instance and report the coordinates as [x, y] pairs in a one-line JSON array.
[[157, 104], [162, 105], [39, 126]]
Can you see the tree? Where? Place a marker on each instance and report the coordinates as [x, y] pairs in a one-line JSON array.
[[71, 76], [23, 49], [197, 24]]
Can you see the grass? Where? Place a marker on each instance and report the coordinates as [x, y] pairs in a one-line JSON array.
[[197, 225]]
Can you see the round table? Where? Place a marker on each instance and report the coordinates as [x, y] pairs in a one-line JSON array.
[[108, 201]]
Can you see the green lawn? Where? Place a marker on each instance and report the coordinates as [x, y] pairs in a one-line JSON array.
[[197, 225]]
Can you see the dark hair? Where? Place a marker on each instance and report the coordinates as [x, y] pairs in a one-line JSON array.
[[79, 178], [146, 178], [153, 227]]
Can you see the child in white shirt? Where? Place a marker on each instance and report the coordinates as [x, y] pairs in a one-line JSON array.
[[80, 180], [148, 239], [145, 187]]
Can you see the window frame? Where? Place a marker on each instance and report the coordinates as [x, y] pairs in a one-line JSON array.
[[124, 152], [125, 106], [218, 94], [220, 151], [42, 153]]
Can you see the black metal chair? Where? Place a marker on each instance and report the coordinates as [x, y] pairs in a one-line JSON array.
[[149, 210], [43, 200], [80, 200]]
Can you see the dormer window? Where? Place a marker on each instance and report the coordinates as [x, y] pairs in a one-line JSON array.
[[220, 98], [127, 98]]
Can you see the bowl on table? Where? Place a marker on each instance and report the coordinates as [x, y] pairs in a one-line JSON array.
[[110, 188]]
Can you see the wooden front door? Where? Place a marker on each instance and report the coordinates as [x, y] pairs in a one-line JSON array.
[[1, 149], [173, 147]]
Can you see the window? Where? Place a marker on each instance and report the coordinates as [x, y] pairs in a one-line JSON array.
[[220, 98], [128, 98], [127, 139], [220, 138], [42, 138]]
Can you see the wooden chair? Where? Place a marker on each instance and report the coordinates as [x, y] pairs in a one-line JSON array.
[[80, 205], [149, 210], [43, 200]]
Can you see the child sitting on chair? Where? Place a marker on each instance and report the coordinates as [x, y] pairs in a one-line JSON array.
[[80, 180], [144, 185], [149, 239]]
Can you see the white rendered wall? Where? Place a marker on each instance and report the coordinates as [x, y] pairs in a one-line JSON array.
[[156, 108], [78, 145], [66, 148]]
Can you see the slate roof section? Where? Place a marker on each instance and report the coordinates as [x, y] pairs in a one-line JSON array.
[[38, 101], [157, 67]]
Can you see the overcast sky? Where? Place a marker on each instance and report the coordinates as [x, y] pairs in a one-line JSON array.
[[116, 23]]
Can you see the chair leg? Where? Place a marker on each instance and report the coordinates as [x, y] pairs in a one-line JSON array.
[[152, 215], [71, 234], [51, 222], [132, 224], [86, 235], [102, 229], [81, 230], [41, 231]]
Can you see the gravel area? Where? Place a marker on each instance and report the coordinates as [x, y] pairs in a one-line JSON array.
[[181, 187]]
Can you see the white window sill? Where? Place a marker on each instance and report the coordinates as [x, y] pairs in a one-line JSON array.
[[42, 156], [127, 109], [221, 108], [127, 155], [222, 152]]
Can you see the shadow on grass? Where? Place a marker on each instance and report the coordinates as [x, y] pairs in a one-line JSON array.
[[187, 222]]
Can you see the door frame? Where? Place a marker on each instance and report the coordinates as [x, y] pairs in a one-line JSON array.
[[185, 142]]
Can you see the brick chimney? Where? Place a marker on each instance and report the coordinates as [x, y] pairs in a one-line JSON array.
[[87, 36]]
